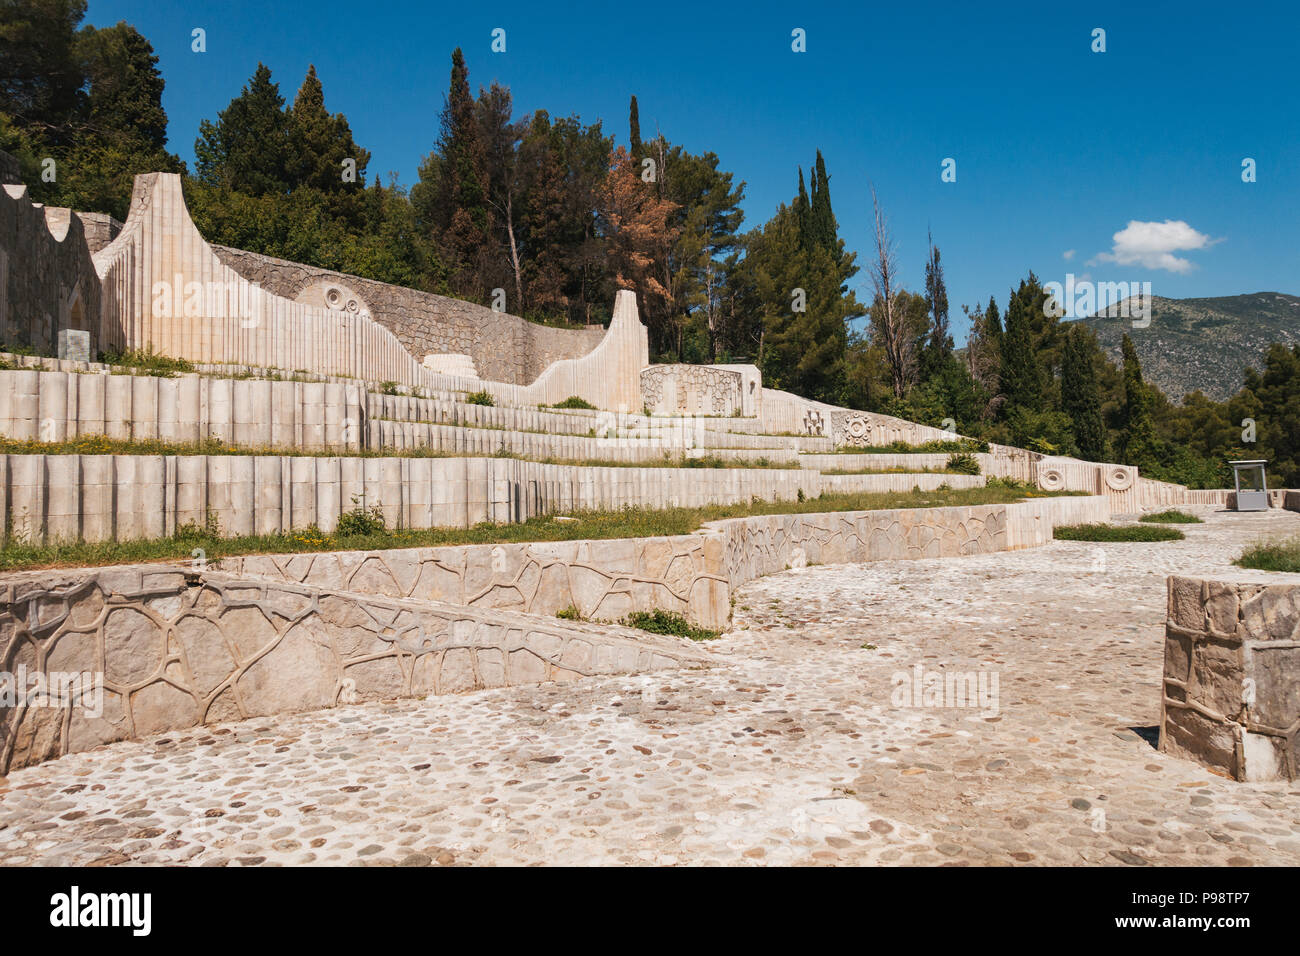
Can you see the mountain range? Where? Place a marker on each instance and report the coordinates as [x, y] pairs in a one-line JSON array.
[[1203, 344]]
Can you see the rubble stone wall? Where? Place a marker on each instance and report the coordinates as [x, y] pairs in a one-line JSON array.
[[504, 347], [47, 279], [1231, 697]]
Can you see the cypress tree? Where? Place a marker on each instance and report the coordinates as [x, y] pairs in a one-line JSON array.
[[1021, 378], [1081, 394], [821, 220], [802, 211], [634, 128], [461, 207], [993, 319], [1138, 435], [938, 347]]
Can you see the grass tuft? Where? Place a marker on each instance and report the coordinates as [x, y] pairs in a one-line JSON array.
[[574, 401], [660, 621], [1272, 555], [1172, 516], [1115, 532]]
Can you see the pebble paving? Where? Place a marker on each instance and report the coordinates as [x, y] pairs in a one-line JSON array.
[[799, 748]]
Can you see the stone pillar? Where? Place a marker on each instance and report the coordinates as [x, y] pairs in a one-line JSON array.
[[1232, 677]]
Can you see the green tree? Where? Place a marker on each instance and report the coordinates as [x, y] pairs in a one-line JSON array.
[[634, 128], [1277, 392], [1080, 393], [462, 211], [1138, 440], [319, 144], [1020, 375], [938, 344], [41, 76], [822, 228], [247, 148]]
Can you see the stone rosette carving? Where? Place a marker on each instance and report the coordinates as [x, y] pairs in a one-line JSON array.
[[1119, 478], [333, 295], [855, 430], [1051, 479]]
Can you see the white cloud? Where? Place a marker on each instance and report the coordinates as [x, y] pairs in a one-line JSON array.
[[1067, 255], [1153, 244]]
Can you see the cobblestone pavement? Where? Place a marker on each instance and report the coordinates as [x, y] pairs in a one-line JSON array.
[[796, 750]]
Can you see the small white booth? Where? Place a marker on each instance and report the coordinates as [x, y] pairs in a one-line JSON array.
[[1251, 485]]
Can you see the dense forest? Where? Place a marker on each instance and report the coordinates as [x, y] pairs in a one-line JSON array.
[[558, 213]]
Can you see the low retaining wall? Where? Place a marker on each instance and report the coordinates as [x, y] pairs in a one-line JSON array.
[[44, 405], [167, 651], [691, 574], [1232, 677]]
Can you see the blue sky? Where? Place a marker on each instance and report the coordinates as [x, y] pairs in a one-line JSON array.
[[1057, 148]]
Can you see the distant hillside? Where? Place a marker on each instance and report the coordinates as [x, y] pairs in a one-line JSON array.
[[1204, 343]]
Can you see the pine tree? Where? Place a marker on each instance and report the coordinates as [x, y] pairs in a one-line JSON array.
[[319, 143], [40, 76], [125, 88], [1138, 428], [247, 149], [542, 224], [1081, 394]]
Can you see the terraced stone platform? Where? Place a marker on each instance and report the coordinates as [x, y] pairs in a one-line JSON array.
[[789, 750]]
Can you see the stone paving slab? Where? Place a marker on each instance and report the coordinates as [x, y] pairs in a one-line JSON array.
[[795, 751]]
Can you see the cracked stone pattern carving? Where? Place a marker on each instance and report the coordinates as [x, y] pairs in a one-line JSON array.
[[175, 652]]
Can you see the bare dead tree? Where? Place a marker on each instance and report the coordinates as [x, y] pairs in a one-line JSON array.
[[889, 320]]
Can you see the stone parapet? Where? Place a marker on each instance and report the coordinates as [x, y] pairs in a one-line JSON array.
[[690, 574]]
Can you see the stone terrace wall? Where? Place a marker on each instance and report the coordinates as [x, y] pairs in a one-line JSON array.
[[505, 348], [177, 650], [49, 498], [1232, 676], [691, 574], [47, 279], [251, 413]]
